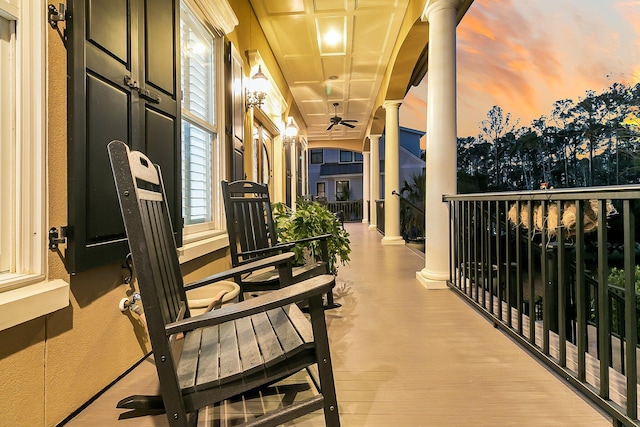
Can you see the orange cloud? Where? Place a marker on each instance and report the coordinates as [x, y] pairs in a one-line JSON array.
[[523, 56]]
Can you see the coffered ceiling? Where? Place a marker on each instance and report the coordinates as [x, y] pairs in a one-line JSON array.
[[348, 72]]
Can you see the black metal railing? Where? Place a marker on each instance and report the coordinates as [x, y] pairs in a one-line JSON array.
[[351, 211], [380, 215], [553, 250], [412, 221]]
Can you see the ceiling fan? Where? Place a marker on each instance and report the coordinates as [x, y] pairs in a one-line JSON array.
[[335, 120]]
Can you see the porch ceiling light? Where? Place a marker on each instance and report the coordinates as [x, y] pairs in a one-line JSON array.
[[257, 90], [331, 34]]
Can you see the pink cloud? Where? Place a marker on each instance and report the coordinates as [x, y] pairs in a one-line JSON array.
[[523, 56]]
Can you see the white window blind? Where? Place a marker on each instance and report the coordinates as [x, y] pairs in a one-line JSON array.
[[199, 133]]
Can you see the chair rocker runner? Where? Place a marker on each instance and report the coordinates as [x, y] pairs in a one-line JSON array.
[[252, 235], [248, 346]]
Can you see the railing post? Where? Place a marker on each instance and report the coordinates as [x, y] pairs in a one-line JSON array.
[[631, 309], [604, 325]]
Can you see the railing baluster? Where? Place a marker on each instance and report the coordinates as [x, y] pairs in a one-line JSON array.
[[462, 243], [507, 261], [483, 251], [631, 314], [454, 244], [562, 291], [488, 262], [582, 295], [604, 325], [498, 261], [475, 250], [519, 286], [547, 284], [530, 279], [469, 244]]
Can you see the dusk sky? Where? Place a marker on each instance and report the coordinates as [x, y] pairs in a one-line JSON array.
[[523, 56]]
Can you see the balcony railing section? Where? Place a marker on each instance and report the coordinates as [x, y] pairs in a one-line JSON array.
[[347, 211], [380, 216], [537, 264], [351, 210]]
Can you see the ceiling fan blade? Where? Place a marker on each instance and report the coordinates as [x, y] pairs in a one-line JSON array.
[[349, 125], [330, 126], [352, 121]]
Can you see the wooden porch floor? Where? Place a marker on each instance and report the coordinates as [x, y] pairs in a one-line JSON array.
[[402, 356]]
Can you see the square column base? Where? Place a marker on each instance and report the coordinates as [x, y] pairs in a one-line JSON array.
[[392, 240], [431, 283]]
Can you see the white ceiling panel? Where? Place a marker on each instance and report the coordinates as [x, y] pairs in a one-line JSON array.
[[361, 89], [378, 5], [370, 34], [339, 6], [275, 7], [335, 66], [303, 70], [293, 37]]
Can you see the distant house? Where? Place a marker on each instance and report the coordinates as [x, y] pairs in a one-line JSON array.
[[337, 174]]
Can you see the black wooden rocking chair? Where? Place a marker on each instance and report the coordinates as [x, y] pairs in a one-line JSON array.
[[206, 359], [252, 235]]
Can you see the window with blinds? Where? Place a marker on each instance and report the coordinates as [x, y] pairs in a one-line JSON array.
[[199, 131]]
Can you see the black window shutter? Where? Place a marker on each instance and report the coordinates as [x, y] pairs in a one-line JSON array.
[[123, 69]]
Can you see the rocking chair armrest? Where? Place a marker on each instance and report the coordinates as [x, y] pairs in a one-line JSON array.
[[261, 263], [311, 239], [284, 247], [314, 287]]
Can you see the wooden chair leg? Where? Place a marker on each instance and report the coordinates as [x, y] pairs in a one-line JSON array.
[[330, 303], [325, 370]]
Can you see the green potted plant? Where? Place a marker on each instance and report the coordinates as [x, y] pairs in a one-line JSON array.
[[311, 219]]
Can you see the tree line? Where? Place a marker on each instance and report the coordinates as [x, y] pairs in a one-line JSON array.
[[590, 142]]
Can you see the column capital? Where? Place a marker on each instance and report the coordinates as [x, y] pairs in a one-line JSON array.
[[435, 5], [375, 136], [392, 103]]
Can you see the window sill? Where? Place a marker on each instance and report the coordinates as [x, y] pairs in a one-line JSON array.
[[31, 301], [198, 244]]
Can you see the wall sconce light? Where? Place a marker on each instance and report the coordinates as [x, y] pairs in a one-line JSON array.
[[257, 90], [290, 131]]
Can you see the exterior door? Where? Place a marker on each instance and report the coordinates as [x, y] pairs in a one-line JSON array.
[[123, 67]]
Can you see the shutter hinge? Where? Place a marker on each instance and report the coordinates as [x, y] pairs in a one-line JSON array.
[[55, 16], [56, 238]]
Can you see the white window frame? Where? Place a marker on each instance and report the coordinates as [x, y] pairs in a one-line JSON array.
[[204, 238], [25, 292]]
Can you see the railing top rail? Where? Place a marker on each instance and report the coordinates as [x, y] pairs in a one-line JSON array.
[[605, 192]]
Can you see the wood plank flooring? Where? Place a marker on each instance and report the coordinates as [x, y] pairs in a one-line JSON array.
[[402, 356]]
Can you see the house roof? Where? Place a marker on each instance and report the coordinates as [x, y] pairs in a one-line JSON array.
[[328, 169]]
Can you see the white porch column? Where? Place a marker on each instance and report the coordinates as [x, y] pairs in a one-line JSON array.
[[392, 174], [366, 178], [441, 139], [278, 168], [305, 170], [374, 164], [293, 158]]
